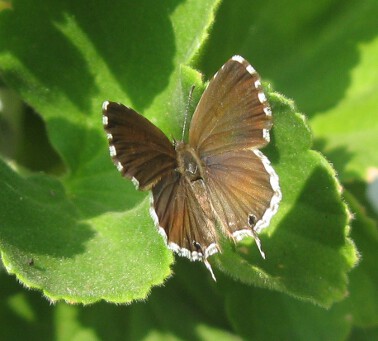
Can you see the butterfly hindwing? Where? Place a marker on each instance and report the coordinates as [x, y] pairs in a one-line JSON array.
[[244, 191], [138, 148], [181, 208]]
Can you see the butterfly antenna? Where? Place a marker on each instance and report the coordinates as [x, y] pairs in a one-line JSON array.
[[186, 112]]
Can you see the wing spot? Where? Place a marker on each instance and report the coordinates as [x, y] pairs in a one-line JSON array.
[[258, 84], [105, 120]]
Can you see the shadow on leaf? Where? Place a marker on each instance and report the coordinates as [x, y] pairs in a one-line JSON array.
[[39, 219]]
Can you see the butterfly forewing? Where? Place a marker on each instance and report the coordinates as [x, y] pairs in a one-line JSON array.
[[139, 149], [233, 112]]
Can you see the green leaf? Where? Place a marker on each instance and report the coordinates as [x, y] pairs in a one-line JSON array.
[[48, 244], [87, 236]]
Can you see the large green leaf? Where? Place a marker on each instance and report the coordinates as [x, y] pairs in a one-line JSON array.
[[50, 245], [88, 236]]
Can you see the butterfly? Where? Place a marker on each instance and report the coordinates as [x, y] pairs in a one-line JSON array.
[[218, 182]]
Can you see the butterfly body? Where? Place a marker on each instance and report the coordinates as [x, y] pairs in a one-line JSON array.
[[189, 164], [218, 182]]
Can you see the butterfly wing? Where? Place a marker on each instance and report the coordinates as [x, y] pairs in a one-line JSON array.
[[232, 113], [244, 191], [139, 149], [231, 121], [182, 212]]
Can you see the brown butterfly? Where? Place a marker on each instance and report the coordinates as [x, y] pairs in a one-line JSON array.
[[219, 182]]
